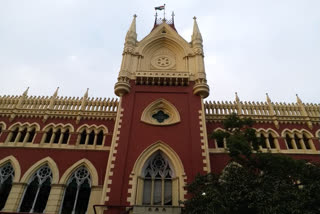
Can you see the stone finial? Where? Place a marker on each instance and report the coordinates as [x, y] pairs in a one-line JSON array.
[[25, 93], [196, 35], [131, 36], [268, 98], [298, 99], [237, 98], [55, 94], [86, 94]]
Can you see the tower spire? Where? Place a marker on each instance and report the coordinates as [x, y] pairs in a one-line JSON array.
[[131, 36], [196, 35]]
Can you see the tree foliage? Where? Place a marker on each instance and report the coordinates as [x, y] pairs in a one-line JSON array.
[[255, 182]]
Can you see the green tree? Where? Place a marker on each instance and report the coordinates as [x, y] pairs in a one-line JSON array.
[[255, 182]]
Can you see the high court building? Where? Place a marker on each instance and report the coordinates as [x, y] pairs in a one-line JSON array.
[[136, 153]]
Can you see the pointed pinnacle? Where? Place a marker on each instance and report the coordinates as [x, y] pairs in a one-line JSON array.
[[268, 98], [298, 99], [56, 92], [86, 94], [25, 93], [196, 35], [237, 98]]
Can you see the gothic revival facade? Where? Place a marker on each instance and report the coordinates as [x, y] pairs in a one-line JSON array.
[[134, 154]]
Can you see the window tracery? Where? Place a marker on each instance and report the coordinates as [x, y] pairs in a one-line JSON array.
[[22, 133], [6, 179], [157, 185], [37, 191], [77, 193], [91, 136]]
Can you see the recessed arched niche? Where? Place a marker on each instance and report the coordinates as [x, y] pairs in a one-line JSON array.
[[160, 113]]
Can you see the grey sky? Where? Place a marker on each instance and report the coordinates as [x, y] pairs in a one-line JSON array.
[[251, 46]]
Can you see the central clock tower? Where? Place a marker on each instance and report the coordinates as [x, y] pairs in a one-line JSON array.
[[161, 85]]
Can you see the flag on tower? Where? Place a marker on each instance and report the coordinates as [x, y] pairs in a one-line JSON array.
[[159, 8]]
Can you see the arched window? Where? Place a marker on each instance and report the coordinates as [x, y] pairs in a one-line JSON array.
[[157, 176], [22, 134], [37, 192], [77, 193], [56, 135], [91, 136], [299, 140], [6, 178]]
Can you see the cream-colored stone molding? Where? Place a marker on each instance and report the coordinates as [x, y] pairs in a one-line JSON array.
[[14, 197], [52, 165], [15, 164], [58, 107], [291, 151], [87, 164], [204, 139], [55, 198], [54, 146], [160, 105], [134, 186], [112, 155], [262, 113]]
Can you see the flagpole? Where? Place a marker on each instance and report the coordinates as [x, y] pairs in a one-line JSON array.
[[164, 12]]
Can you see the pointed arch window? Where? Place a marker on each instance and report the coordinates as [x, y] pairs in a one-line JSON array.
[[77, 193], [37, 192], [6, 178], [157, 185]]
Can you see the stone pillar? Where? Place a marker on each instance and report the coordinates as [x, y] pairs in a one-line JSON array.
[[95, 197], [14, 197], [55, 198]]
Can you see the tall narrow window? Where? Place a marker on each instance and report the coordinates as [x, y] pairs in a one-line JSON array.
[[83, 137], [37, 192], [91, 138], [6, 178], [306, 141], [14, 134], [23, 134], [57, 136], [31, 135], [48, 136], [77, 193], [272, 141], [100, 138], [157, 187], [65, 137], [288, 140]]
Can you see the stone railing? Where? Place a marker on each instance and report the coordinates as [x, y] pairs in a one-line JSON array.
[[58, 107], [265, 111]]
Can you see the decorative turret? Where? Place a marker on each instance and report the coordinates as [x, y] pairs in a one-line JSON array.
[[200, 88], [22, 98]]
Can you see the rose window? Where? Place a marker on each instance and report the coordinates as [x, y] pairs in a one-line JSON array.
[[163, 61]]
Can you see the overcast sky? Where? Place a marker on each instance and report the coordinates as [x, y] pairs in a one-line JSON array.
[[251, 46]]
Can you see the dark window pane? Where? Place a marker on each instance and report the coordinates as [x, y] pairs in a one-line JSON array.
[[83, 137], [43, 196], [69, 197], [65, 137], [29, 196], [100, 138], [14, 135], [83, 198], [263, 142], [5, 188], [160, 116], [306, 141], [91, 138], [31, 135], [288, 140], [23, 135], [168, 192], [48, 137], [271, 141], [296, 139], [57, 136], [220, 143]]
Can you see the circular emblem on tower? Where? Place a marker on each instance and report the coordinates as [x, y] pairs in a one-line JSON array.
[[163, 62]]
